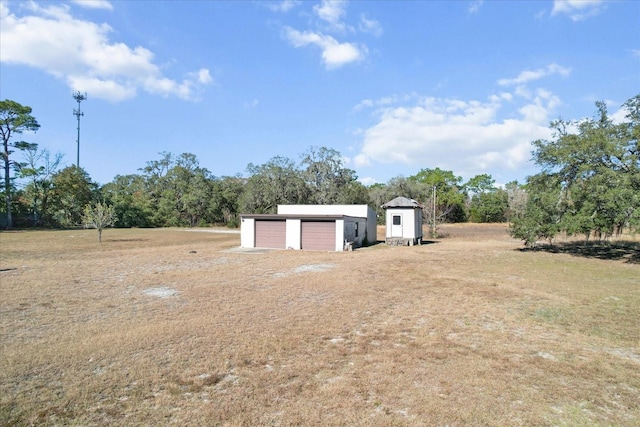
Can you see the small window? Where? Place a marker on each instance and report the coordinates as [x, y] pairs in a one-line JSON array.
[[397, 220], [356, 229]]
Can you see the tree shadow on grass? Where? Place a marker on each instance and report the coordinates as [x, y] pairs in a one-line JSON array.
[[382, 243], [622, 250]]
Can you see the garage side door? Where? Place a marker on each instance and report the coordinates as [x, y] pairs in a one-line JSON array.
[[318, 235], [271, 234]]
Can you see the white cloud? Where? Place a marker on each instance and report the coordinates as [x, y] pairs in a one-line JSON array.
[[619, 116], [334, 53], [466, 136], [367, 180], [531, 75], [620, 113], [80, 53], [102, 89], [203, 76], [362, 159], [252, 104], [329, 17], [332, 12], [166, 87], [94, 4], [475, 6], [577, 10], [282, 6], [365, 103], [385, 101], [370, 26]]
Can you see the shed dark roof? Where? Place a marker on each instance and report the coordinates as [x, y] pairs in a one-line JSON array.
[[402, 202]]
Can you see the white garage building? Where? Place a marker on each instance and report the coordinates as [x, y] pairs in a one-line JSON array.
[[310, 227]]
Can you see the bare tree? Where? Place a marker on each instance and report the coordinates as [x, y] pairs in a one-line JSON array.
[[99, 216], [39, 169]]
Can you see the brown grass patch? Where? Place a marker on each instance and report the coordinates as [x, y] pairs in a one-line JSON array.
[[169, 327]]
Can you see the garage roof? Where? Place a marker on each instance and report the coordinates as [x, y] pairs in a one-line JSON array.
[[292, 216]]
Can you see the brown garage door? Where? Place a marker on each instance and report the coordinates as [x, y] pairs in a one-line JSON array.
[[271, 234], [319, 235]]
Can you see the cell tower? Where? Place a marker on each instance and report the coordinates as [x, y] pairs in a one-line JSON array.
[[78, 97]]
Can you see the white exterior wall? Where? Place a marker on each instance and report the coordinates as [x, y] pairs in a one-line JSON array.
[[388, 220], [408, 222], [339, 235], [294, 234], [409, 226], [358, 211], [248, 233], [364, 216], [347, 210]]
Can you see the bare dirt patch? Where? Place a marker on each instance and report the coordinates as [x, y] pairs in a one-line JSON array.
[[468, 331], [161, 292], [306, 268]]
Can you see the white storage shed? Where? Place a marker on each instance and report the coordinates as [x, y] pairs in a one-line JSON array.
[[403, 219]]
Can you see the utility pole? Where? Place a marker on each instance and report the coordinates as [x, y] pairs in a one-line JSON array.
[[434, 200], [78, 97]]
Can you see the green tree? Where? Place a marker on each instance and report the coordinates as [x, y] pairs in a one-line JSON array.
[[326, 176], [489, 206], [99, 216], [171, 191], [73, 189], [276, 182], [354, 193], [379, 195], [598, 167], [186, 194], [14, 120], [486, 203], [444, 199], [156, 186], [483, 183], [130, 200], [410, 188], [227, 192], [590, 179], [542, 214]]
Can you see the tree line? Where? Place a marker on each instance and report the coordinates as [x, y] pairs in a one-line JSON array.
[[589, 183]]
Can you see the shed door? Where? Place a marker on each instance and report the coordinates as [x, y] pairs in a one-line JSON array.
[[396, 225], [271, 234], [318, 235]]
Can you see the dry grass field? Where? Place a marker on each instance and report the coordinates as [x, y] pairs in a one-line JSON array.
[[170, 327]]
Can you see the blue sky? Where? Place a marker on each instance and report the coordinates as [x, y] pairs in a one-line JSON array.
[[394, 86]]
